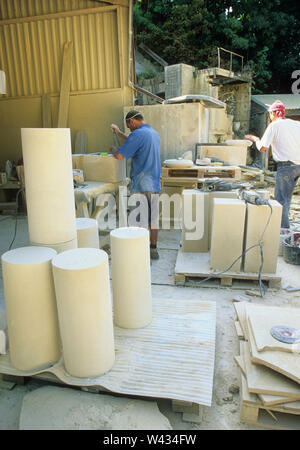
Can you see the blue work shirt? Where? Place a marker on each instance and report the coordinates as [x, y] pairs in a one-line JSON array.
[[143, 146]]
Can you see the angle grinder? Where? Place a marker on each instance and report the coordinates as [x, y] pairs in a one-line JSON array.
[[252, 197]]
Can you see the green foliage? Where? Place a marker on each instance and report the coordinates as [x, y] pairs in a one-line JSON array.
[[265, 32]]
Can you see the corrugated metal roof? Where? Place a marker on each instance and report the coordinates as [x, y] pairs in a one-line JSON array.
[[31, 52], [291, 101], [12, 9]]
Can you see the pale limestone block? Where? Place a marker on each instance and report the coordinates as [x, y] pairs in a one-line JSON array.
[[227, 234], [49, 187], [87, 233], [212, 196], [57, 408], [31, 307], [103, 168], [170, 207], [59, 248], [179, 126], [257, 218], [233, 154], [81, 279], [196, 211], [131, 277]]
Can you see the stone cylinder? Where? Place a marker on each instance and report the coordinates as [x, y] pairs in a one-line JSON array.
[[47, 156], [81, 279], [87, 233], [32, 320], [131, 277], [59, 248]]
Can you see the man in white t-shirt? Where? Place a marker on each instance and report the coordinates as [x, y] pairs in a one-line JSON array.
[[284, 137]]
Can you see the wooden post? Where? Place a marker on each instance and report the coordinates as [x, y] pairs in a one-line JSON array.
[[63, 111]]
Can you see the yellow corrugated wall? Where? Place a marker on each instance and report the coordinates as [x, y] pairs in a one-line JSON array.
[[31, 51], [12, 9]]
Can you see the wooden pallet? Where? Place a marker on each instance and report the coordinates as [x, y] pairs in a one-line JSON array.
[[231, 172], [195, 267], [268, 399], [191, 412], [195, 371], [280, 417]]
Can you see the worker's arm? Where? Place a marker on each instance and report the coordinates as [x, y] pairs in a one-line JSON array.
[[257, 141], [115, 152], [116, 130]]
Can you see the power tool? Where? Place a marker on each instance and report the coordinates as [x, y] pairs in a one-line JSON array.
[[217, 184], [252, 197]]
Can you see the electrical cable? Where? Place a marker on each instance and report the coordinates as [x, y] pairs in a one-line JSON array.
[[16, 215], [260, 245]]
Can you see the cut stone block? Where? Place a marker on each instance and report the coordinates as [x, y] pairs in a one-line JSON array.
[[131, 277], [59, 248], [87, 233], [227, 234], [170, 207], [55, 408], [31, 307], [47, 155], [235, 155], [212, 196], [196, 212], [103, 168], [256, 221], [82, 287]]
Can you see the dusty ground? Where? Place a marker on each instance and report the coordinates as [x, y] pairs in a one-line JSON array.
[[224, 413]]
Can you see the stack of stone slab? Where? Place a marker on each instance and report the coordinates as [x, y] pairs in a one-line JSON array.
[[270, 376], [97, 167]]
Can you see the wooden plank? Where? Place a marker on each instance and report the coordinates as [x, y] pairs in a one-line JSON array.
[[46, 111], [226, 281], [232, 172], [195, 418], [63, 111], [186, 407], [254, 413], [197, 265]]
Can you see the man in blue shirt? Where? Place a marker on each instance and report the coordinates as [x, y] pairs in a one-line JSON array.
[[143, 146]]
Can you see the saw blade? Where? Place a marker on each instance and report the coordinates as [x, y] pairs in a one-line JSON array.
[[286, 334]]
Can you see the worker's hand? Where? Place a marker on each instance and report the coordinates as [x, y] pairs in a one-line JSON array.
[[114, 151], [114, 128], [251, 137]]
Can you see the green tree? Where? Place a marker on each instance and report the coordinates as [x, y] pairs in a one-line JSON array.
[[265, 32]]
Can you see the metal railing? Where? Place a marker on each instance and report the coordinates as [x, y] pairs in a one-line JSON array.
[[231, 57]]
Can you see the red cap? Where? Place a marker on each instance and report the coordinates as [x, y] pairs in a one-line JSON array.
[[278, 107]]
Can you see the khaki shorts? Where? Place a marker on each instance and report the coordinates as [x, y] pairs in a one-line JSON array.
[[148, 204]]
